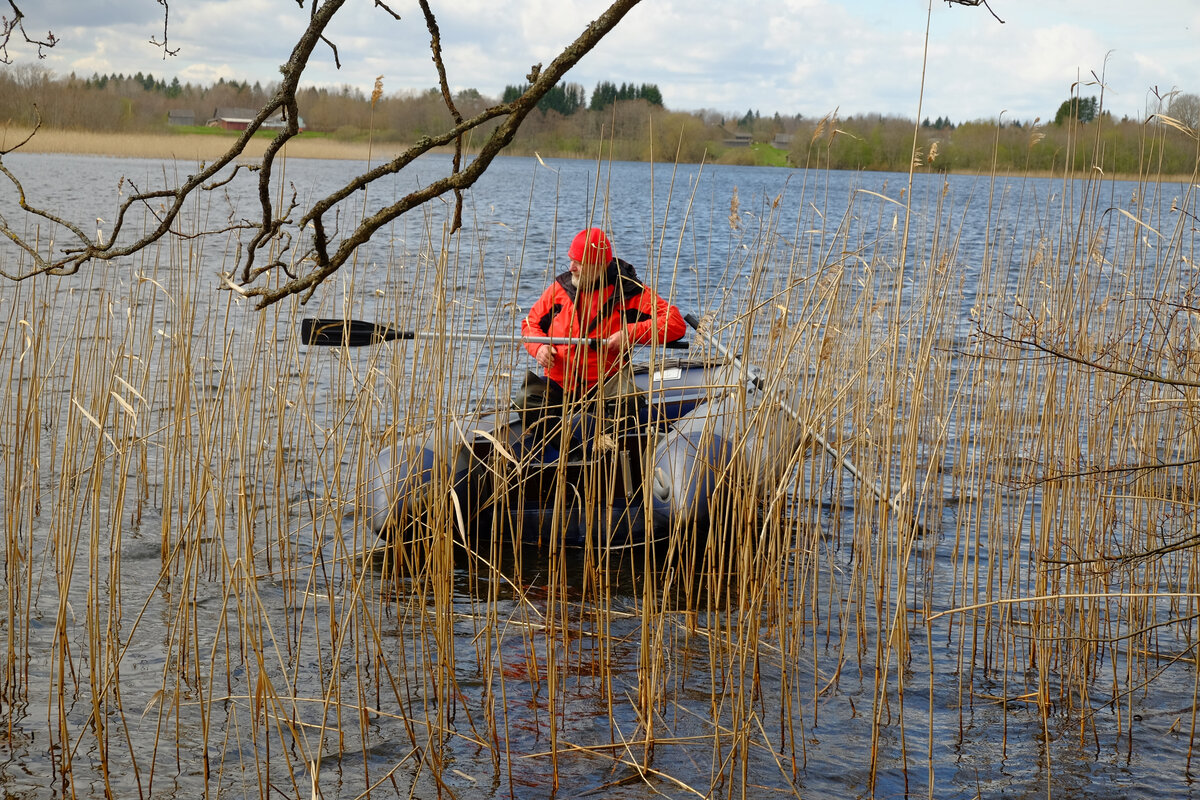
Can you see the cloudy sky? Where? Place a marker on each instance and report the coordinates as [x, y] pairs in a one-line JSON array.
[[789, 56]]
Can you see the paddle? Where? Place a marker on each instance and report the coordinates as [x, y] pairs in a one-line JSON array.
[[846, 463], [356, 333]]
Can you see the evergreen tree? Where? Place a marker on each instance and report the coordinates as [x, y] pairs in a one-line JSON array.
[[566, 100], [1083, 109], [603, 96], [651, 94], [606, 93]]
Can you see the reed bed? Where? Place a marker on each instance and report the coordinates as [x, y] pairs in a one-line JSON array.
[[194, 603]]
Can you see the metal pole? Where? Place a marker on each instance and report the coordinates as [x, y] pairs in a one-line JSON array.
[[845, 462]]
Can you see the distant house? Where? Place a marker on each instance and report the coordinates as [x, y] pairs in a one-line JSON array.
[[237, 119], [181, 116], [782, 140], [231, 118], [738, 139]]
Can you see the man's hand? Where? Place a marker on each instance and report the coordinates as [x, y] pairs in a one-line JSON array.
[[618, 342], [545, 356]]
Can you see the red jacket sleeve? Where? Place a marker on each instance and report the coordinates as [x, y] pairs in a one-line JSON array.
[[665, 320]]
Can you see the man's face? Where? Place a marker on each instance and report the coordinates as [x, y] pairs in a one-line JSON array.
[[586, 276]]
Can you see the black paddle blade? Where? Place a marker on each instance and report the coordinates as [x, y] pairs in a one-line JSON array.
[[344, 332]]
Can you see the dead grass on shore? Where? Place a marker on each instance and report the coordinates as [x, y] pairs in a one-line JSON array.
[[185, 147]]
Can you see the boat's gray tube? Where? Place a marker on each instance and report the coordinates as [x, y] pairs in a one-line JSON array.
[[845, 462]]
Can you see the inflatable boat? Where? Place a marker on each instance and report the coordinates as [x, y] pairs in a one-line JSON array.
[[684, 441], [697, 432]]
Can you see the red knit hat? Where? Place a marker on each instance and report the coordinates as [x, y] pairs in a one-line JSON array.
[[591, 247]]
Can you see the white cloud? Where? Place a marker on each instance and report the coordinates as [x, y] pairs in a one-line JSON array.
[[792, 56]]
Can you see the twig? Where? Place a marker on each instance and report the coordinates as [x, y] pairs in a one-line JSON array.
[[1077, 359], [435, 45], [167, 51], [10, 26]]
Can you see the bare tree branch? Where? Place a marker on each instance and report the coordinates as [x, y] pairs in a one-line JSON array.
[[10, 26], [381, 4], [337, 62], [435, 44], [1111, 369], [90, 250], [325, 250], [983, 3], [167, 51]]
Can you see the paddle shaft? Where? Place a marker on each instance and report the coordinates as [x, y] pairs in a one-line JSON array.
[[356, 333]]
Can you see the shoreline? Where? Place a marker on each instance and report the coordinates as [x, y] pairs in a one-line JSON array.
[[186, 146], [194, 147]]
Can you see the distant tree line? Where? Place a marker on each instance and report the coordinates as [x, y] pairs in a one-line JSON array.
[[148, 83], [630, 122], [1126, 147]]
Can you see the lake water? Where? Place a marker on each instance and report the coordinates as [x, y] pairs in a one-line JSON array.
[[189, 610]]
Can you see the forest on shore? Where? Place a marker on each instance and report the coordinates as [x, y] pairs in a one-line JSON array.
[[631, 122]]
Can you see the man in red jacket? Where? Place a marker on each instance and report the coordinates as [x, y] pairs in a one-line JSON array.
[[599, 297]]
